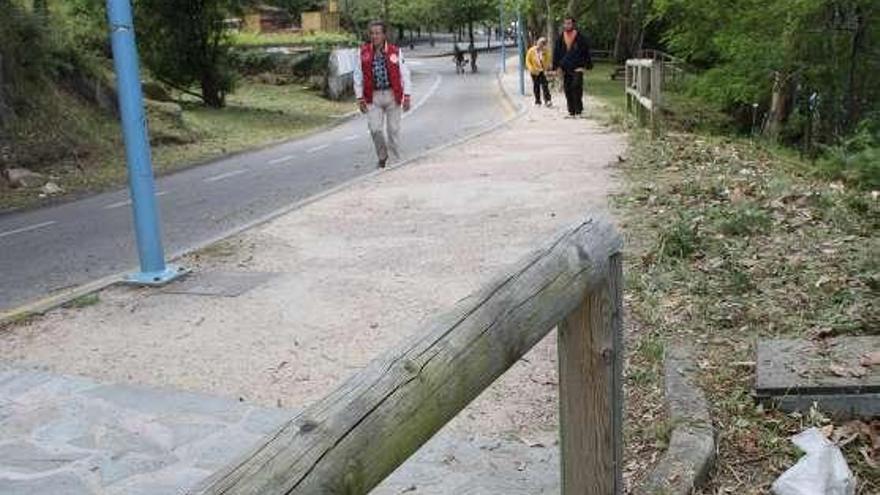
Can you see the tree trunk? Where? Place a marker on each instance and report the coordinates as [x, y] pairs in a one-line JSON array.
[[778, 106], [212, 95], [623, 41], [853, 107], [550, 25], [471, 31]]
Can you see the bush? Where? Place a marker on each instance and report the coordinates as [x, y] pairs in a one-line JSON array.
[[24, 54], [246, 39], [253, 62], [857, 159]]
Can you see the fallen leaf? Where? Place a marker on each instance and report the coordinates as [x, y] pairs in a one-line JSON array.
[[848, 432], [827, 430]]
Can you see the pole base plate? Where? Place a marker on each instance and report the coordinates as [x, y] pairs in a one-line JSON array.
[[156, 279]]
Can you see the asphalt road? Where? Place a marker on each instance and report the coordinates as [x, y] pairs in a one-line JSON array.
[[51, 249]]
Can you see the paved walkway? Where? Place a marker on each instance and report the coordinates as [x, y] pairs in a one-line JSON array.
[[66, 435], [278, 316]]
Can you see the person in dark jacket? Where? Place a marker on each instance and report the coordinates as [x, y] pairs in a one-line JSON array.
[[571, 57]]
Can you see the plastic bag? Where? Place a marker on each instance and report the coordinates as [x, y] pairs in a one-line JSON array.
[[823, 471]]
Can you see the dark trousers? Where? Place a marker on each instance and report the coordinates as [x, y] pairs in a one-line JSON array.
[[541, 85], [573, 83]]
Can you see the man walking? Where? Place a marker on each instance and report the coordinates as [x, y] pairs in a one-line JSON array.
[[382, 86], [537, 62], [572, 57]]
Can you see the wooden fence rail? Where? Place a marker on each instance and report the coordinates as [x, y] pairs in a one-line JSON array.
[[673, 68], [644, 81], [349, 441]]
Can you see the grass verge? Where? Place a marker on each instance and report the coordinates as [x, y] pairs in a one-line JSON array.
[[729, 242], [182, 135], [609, 93]]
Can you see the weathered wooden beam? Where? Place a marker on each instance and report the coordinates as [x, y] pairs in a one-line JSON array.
[[590, 391], [349, 441]]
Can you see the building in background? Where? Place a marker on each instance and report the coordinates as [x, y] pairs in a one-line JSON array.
[[266, 19], [327, 20]]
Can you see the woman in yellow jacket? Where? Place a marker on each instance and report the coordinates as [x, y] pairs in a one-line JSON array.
[[538, 62]]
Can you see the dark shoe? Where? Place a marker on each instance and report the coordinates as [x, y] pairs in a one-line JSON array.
[[537, 103], [382, 163]]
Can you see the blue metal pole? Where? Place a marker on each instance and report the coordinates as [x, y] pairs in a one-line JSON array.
[[520, 45], [503, 41], [137, 148]]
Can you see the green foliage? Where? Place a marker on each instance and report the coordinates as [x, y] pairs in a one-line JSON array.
[[185, 44], [247, 39], [857, 159], [253, 62], [820, 46], [25, 53], [450, 14]]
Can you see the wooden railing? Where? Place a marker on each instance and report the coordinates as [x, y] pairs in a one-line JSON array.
[[643, 85], [349, 441], [672, 67]]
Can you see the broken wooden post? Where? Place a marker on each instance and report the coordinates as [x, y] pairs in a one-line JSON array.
[[349, 441]]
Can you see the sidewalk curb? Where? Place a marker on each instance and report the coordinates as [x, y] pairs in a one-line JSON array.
[[692, 450], [56, 300]]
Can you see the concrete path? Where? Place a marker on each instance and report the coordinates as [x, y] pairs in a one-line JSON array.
[[281, 314]]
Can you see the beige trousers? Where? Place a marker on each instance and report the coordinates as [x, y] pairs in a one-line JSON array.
[[384, 121]]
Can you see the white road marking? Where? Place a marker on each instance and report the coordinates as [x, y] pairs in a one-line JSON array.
[[427, 96], [120, 204], [318, 148], [127, 202], [283, 159], [26, 229], [227, 175]]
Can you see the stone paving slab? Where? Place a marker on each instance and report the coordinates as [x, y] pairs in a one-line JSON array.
[[74, 436], [69, 435]]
